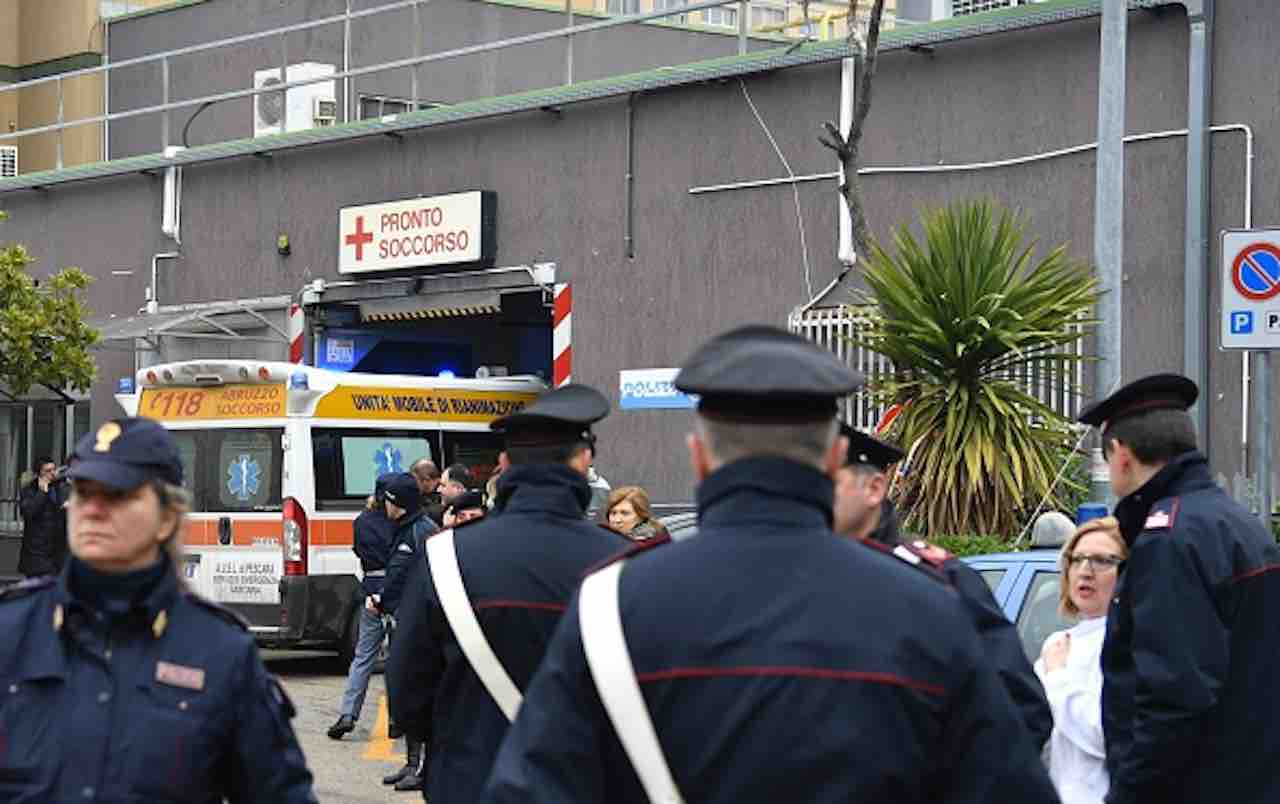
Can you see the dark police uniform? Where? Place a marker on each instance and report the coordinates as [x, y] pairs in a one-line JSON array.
[[1193, 636], [411, 532], [159, 696], [375, 539], [776, 661], [519, 570], [999, 636]]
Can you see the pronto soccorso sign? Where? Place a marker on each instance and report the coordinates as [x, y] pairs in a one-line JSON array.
[[418, 232]]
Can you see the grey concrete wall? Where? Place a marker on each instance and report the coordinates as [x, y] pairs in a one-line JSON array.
[[444, 24], [704, 263]]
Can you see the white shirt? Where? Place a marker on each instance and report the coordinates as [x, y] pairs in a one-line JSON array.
[[1076, 747]]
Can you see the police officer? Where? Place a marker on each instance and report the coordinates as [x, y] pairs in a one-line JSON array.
[[864, 512], [765, 660], [116, 682], [403, 501], [503, 582], [374, 539], [1189, 662]]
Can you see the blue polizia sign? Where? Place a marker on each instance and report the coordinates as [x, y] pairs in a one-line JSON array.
[[650, 389]]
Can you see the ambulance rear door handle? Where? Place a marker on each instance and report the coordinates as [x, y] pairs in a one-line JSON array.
[[224, 530]]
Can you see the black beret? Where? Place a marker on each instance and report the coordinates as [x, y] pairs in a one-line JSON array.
[[472, 498], [764, 373], [865, 450], [564, 414], [123, 454], [1156, 392]]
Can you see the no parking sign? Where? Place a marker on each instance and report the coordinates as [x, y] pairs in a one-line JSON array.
[[1251, 289]]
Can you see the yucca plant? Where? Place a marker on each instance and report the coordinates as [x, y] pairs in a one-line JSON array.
[[962, 314]]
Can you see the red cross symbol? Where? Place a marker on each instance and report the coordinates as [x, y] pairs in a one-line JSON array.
[[359, 238]]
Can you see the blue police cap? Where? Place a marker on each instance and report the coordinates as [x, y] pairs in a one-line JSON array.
[[563, 415], [762, 373], [1156, 392], [125, 453], [865, 450], [401, 490]]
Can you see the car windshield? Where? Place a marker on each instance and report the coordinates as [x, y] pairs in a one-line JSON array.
[[1039, 615]]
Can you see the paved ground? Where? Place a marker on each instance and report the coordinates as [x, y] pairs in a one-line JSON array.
[[348, 771]]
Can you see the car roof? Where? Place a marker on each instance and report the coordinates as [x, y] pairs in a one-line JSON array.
[[1049, 556]]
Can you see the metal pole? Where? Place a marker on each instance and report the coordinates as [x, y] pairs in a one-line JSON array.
[[60, 121], [164, 116], [1262, 402], [284, 79], [106, 89], [742, 27], [1196, 249], [417, 52], [568, 43], [1108, 244], [346, 64]]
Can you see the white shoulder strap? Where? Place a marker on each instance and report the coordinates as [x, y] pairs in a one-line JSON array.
[[606, 648], [442, 563]]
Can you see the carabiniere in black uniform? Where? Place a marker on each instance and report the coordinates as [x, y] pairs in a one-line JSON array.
[[999, 636], [520, 566], [128, 687], [1190, 701], [777, 661]]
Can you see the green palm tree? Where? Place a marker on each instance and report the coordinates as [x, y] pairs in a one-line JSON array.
[[966, 316]]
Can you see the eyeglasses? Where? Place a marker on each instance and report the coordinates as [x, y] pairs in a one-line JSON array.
[[1096, 563]]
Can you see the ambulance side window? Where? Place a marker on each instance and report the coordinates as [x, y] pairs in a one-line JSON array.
[[477, 451], [348, 461]]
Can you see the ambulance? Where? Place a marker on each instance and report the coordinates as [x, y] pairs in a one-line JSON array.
[[280, 458]]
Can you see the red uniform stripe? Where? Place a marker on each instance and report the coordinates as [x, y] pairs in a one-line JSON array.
[[520, 604], [790, 672]]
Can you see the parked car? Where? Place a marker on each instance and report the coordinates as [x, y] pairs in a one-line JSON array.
[[1027, 587]]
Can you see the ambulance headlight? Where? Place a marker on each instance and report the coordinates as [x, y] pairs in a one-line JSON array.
[[298, 381]]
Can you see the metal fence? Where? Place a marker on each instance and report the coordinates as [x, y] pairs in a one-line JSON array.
[[1058, 384]]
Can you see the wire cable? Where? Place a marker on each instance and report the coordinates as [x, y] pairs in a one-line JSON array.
[[795, 189]]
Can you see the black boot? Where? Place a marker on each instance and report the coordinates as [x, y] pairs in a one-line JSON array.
[[415, 780], [412, 760], [345, 724]]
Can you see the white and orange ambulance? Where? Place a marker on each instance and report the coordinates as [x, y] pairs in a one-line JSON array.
[[280, 459]]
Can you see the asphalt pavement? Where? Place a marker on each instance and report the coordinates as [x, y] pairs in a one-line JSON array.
[[350, 770]]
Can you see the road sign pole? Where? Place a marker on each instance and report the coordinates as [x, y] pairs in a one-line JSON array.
[[1108, 217], [1262, 432]]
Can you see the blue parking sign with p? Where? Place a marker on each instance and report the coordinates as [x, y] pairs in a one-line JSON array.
[[1241, 322]]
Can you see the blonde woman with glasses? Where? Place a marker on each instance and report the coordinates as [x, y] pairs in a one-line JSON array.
[[1070, 665]]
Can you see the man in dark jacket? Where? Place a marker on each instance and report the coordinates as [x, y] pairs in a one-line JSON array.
[[1193, 638], [516, 572], [765, 660], [44, 522], [864, 512], [374, 538], [403, 500]]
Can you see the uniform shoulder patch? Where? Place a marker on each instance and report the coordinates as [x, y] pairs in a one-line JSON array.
[[1162, 515], [931, 554], [907, 555], [26, 587], [224, 613], [630, 550]]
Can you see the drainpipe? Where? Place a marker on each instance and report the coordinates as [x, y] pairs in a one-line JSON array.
[[848, 74], [1196, 269]]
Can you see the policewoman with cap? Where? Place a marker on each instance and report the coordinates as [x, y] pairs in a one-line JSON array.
[[1189, 700], [864, 512], [118, 684], [765, 660], [478, 613]]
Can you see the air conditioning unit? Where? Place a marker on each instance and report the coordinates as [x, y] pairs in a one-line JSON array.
[[297, 110], [8, 161], [324, 111]]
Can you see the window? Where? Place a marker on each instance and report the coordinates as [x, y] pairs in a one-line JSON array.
[[993, 577], [766, 17], [960, 8], [477, 451], [373, 107], [623, 6], [8, 161], [1039, 615], [232, 470], [659, 5], [722, 17], [348, 461]]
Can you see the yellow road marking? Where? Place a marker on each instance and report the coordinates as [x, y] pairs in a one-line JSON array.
[[381, 747]]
